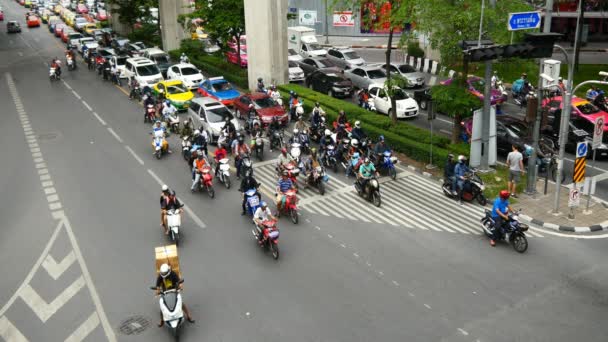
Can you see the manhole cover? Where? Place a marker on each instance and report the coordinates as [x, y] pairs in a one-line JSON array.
[[48, 136], [134, 325]]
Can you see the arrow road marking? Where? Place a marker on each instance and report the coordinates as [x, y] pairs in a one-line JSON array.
[[54, 269], [9, 333], [45, 310], [85, 329]]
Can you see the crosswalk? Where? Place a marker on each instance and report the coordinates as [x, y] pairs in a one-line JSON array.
[[410, 201]]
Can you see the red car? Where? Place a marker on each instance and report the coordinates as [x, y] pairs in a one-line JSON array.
[[59, 29], [581, 108], [81, 9], [233, 58], [102, 15], [232, 42], [265, 107], [33, 21]]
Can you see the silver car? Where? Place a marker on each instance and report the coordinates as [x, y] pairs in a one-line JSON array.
[[210, 115], [363, 76], [414, 77], [345, 58]]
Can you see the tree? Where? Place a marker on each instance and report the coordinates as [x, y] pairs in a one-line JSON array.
[[456, 102], [130, 11], [223, 20]]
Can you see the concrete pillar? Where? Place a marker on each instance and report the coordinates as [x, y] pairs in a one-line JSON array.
[[172, 33], [115, 23], [266, 27]]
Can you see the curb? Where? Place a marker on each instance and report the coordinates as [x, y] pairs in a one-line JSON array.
[[525, 218]]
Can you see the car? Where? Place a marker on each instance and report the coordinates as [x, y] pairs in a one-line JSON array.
[[120, 62], [119, 44], [59, 29], [219, 89], [13, 27], [27, 3], [232, 56], [89, 46], [363, 76], [579, 130], [80, 23], [414, 77], [264, 106], [345, 58], [232, 43], [73, 38], [330, 81], [583, 112], [134, 49], [89, 28], [292, 55], [476, 87], [45, 16], [78, 44], [210, 115], [311, 64], [33, 21], [65, 34], [423, 97], [296, 74], [160, 57], [81, 8], [187, 73], [176, 92], [209, 46], [406, 106], [101, 15]]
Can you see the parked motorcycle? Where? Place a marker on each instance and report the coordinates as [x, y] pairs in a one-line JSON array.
[[317, 178], [386, 164], [513, 230], [174, 222], [371, 192], [290, 207], [472, 190], [206, 181], [171, 308], [224, 172], [252, 201], [270, 236]]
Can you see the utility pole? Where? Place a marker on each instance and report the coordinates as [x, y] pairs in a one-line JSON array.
[[579, 32], [326, 24], [484, 164], [548, 15]]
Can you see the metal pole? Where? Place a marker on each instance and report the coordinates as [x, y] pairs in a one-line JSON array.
[[483, 7], [485, 122], [563, 135], [531, 188], [512, 32], [326, 24], [548, 15], [590, 180]]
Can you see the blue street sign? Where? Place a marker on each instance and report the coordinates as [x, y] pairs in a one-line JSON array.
[[523, 21], [581, 149]]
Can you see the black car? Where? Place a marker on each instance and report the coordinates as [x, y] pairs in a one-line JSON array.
[[313, 63], [330, 81], [134, 49], [423, 96], [13, 27], [119, 45]]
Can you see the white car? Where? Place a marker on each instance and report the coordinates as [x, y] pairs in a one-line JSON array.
[[292, 55], [407, 107], [78, 44], [89, 45], [296, 74], [187, 73], [121, 64], [211, 115]]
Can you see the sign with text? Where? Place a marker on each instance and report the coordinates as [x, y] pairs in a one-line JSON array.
[[308, 17], [344, 19], [523, 21], [598, 132]]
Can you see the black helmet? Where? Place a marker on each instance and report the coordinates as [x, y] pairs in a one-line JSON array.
[[241, 138], [317, 104], [259, 79]]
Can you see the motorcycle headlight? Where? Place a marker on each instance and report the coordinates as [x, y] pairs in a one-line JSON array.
[[482, 187]]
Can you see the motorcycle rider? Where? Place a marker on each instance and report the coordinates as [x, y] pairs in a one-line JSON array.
[[133, 84], [274, 94], [592, 93], [301, 125], [379, 150], [260, 87], [239, 151], [249, 183], [200, 139], [459, 171], [448, 170], [561, 85], [326, 140], [295, 138], [197, 168], [284, 184], [262, 214], [354, 161], [293, 105], [366, 171], [183, 58], [500, 215], [169, 280], [283, 160], [317, 115], [357, 132], [220, 153], [274, 126], [342, 118], [169, 201], [164, 193], [229, 129]]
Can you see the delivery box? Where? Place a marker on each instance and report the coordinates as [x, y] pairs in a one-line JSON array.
[[167, 255]]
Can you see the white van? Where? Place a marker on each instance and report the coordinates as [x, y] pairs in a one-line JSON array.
[[143, 70]]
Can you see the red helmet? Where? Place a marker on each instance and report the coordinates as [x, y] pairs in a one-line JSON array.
[[504, 194], [283, 150]]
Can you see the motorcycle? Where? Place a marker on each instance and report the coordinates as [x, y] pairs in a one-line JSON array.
[[172, 122], [186, 146], [246, 165], [150, 114], [270, 236], [251, 121], [106, 73], [472, 190], [174, 221], [317, 132], [290, 206], [371, 191], [295, 151], [257, 145], [329, 159], [305, 142], [277, 140], [160, 144], [293, 172], [224, 172], [252, 201], [387, 164], [70, 63], [317, 178], [600, 102], [171, 308], [53, 75], [514, 231], [206, 181], [135, 93]]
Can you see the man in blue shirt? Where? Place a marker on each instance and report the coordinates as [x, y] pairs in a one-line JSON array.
[[285, 184], [459, 171], [500, 215]]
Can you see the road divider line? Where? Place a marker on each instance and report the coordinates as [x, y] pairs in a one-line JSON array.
[[84, 103], [139, 160], [115, 135], [158, 180], [76, 94], [66, 85], [99, 118]]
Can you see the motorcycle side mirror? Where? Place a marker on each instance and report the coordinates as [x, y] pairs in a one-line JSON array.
[[152, 287]]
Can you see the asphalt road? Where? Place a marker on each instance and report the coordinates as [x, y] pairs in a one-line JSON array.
[[80, 262]]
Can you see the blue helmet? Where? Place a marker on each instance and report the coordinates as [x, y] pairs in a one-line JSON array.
[[381, 138], [263, 204], [167, 102]]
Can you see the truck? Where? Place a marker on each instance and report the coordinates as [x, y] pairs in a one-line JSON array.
[[304, 41]]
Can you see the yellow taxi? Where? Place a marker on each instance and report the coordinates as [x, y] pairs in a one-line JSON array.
[[57, 9], [175, 92], [45, 16], [70, 18], [89, 28]]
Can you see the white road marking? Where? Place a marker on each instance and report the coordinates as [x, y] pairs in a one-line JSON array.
[[395, 283], [43, 171], [464, 332], [36, 154], [38, 160], [8, 331], [158, 180], [45, 177], [49, 191], [20, 54], [342, 245], [67, 85], [40, 165], [47, 184], [52, 198], [410, 294], [139, 160], [45, 310], [114, 134], [99, 118], [76, 94], [84, 329], [55, 206], [445, 131], [427, 306], [317, 228], [84, 103], [330, 236], [355, 255], [380, 273], [54, 269]]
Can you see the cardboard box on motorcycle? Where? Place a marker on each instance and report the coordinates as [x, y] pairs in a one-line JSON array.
[[167, 254]]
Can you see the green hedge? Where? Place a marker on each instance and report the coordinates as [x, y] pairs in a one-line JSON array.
[[214, 65], [415, 144]]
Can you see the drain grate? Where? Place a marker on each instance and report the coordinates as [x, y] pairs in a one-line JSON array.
[[134, 325]]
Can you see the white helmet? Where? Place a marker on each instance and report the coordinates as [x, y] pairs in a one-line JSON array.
[[358, 124], [197, 132], [354, 143], [327, 132], [165, 270], [461, 157], [295, 131], [165, 188]]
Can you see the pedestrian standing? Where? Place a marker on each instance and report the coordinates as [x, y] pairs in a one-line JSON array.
[[515, 162]]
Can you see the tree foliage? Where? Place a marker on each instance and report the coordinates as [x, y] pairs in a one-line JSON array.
[[454, 101], [129, 11], [222, 19]]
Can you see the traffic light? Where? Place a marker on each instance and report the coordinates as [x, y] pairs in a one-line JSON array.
[[484, 53], [523, 50], [535, 45]]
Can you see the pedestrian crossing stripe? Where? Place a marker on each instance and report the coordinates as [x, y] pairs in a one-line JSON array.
[[579, 169], [411, 201]]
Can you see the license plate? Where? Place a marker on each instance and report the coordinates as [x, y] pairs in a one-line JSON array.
[[186, 106]]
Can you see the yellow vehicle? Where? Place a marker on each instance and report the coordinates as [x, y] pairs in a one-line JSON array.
[[69, 19], [45, 16], [28, 3], [89, 28], [175, 92], [57, 9]]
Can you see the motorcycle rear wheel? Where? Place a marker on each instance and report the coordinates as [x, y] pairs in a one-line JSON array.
[[158, 154], [294, 216], [227, 182], [175, 238], [210, 192], [482, 200], [274, 249], [393, 173], [376, 198], [322, 187], [519, 242]]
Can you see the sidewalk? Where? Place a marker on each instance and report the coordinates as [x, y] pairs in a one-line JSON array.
[[538, 210]]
